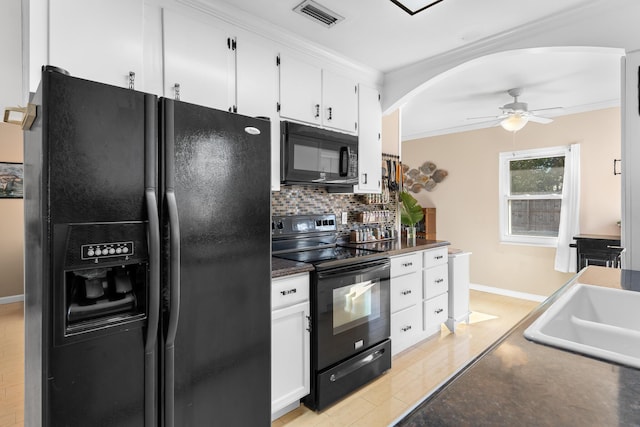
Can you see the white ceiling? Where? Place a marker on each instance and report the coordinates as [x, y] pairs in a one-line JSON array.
[[379, 35]]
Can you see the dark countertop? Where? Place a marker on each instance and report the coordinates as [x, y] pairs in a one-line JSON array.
[[518, 382], [399, 246], [597, 236], [282, 267]]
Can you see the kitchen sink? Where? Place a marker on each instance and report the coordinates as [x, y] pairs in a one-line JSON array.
[[593, 320]]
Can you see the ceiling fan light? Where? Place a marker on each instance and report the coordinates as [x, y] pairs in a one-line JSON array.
[[514, 122]]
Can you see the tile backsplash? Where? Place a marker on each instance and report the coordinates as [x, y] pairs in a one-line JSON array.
[[307, 199]]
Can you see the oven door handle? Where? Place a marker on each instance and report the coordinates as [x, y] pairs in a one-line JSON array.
[[357, 365], [360, 268]]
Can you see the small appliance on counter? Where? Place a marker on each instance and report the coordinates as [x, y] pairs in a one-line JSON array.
[[350, 306]]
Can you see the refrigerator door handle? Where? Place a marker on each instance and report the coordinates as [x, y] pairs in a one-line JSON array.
[[153, 233], [174, 307], [154, 307]]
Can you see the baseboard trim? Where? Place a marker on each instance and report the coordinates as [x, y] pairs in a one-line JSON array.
[[12, 298], [507, 292]]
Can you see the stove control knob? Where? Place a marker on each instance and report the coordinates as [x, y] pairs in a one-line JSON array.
[[98, 252], [90, 252], [112, 251], [118, 250], [125, 250]]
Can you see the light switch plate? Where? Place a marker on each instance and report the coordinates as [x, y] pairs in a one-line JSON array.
[[344, 217]]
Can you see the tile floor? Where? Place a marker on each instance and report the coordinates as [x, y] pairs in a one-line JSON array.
[[415, 372], [419, 369], [12, 364]]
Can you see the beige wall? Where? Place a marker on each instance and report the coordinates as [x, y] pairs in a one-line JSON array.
[[391, 133], [467, 200], [11, 219]]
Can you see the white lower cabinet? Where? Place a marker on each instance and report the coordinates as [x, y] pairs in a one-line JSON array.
[[406, 298], [290, 343], [435, 313], [436, 286], [406, 328], [419, 302]]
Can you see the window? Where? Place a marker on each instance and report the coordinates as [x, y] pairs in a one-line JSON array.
[[531, 184]]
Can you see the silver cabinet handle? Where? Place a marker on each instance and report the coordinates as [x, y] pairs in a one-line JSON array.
[[289, 291], [406, 292], [439, 310], [132, 80], [407, 264], [317, 111], [176, 91], [439, 280], [330, 113], [438, 257], [308, 323], [406, 328]]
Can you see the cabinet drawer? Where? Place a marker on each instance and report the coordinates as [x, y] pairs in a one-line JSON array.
[[405, 264], [289, 290], [435, 311], [433, 257], [406, 327], [436, 281], [405, 291]]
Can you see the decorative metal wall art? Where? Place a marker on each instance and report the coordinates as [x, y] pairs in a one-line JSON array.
[[11, 177], [424, 177]]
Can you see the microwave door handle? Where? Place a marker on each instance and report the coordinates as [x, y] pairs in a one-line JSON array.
[[344, 161]]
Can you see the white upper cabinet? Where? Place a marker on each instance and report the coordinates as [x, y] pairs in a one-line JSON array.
[[97, 39], [339, 102], [257, 92], [12, 92], [313, 95], [300, 90], [369, 141], [199, 62], [256, 78]]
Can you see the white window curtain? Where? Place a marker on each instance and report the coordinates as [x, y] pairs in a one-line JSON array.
[[569, 212]]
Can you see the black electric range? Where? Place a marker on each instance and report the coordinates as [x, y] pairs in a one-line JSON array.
[[349, 291]]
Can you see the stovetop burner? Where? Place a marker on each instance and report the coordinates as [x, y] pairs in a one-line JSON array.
[[327, 254]]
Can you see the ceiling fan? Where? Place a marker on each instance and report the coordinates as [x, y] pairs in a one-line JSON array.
[[515, 115]]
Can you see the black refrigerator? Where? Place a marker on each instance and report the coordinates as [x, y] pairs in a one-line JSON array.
[[147, 260]]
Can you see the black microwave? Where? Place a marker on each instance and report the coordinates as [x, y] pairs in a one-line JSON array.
[[310, 155]]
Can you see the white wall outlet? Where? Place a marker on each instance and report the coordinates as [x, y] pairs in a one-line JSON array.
[[344, 217]]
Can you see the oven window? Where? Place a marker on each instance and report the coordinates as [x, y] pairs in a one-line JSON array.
[[355, 304]]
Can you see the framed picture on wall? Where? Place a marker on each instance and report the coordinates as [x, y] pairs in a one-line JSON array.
[[11, 179]]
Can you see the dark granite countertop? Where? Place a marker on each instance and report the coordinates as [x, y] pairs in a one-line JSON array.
[[283, 267], [519, 382], [399, 246], [597, 236]]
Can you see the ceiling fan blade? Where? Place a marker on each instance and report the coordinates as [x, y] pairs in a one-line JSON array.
[[487, 123], [538, 119], [546, 109], [500, 117]]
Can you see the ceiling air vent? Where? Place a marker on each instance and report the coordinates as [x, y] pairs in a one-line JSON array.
[[318, 13]]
